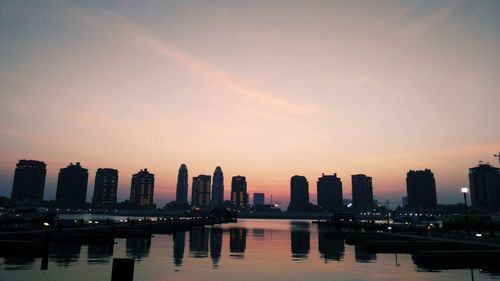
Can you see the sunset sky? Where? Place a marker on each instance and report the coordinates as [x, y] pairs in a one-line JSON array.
[[264, 89]]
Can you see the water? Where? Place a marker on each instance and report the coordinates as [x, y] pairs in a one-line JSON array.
[[248, 250]]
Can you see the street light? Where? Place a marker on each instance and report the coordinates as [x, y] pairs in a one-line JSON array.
[[464, 191]]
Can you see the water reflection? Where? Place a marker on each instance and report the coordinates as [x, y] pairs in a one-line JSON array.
[[270, 251], [258, 233], [331, 248], [100, 253], [215, 245], [198, 242], [64, 254], [237, 242], [300, 240], [361, 255], [138, 247], [18, 262], [179, 241]]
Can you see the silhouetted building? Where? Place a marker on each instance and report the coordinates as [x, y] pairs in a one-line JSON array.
[[200, 195], [329, 192], [182, 185], [259, 199], [484, 183], [404, 202], [72, 184], [105, 186], [237, 242], [362, 192], [198, 242], [179, 242], [299, 193], [218, 187], [421, 189], [29, 180], [215, 245], [300, 240], [142, 189], [239, 195]]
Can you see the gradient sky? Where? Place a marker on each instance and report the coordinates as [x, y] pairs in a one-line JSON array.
[[265, 89]]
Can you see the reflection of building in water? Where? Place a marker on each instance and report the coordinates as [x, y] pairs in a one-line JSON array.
[[198, 243], [215, 245], [300, 243], [179, 241], [65, 253], [138, 247], [237, 242], [100, 253], [258, 233], [362, 255], [18, 261], [330, 248]]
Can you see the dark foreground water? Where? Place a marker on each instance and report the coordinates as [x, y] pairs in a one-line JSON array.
[[248, 250]]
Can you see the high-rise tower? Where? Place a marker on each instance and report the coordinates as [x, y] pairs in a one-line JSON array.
[[29, 180], [421, 189], [72, 184], [105, 186], [484, 183], [200, 194], [239, 195], [218, 187], [182, 185], [142, 189], [362, 192], [330, 192], [299, 193]]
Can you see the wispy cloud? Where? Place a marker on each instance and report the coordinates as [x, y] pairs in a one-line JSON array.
[[210, 73]]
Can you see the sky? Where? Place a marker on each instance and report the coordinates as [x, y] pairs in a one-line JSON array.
[[264, 89]]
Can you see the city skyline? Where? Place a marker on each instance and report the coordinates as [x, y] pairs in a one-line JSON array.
[[278, 89]]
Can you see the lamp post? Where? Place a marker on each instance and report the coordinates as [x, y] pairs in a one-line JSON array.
[[464, 191]]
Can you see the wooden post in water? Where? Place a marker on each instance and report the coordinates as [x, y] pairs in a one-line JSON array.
[[123, 269]]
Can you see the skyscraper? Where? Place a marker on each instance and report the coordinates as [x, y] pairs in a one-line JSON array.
[[72, 184], [105, 186], [329, 192], [299, 193], [421, 189], [362, 192], [484, 183], [218, 187], [142, 189], [200, 194], [259, 199], [239, 195], [182, 185], [29, 180]]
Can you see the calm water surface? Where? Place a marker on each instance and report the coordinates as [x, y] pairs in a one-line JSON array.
[[248, 250]]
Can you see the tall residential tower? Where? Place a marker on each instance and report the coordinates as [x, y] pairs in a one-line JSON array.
[[29, 180], [421, 189], [72, 184], [330, 192], [142, 189], [484, 183], [362, 192], [105, 186]]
